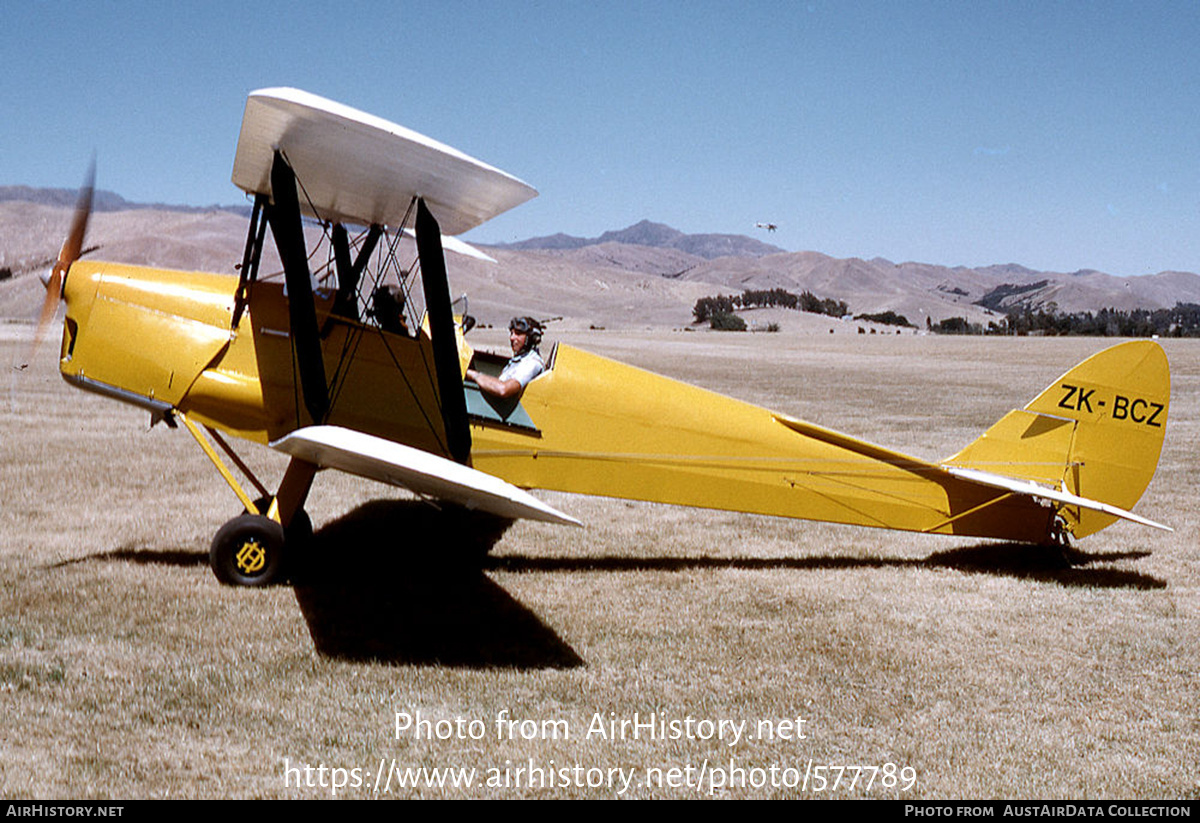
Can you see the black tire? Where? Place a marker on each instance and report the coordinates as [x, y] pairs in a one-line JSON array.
[[249, 550]]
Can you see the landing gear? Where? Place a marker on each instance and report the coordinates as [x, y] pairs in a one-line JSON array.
[[249, 550], [256, 548], [298, 532], [1059, 535], [1060, 541]]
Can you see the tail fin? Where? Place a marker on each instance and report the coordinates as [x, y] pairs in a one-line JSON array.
[[1096, 432]]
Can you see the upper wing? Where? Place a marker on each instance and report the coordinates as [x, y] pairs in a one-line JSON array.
[[418, 471], [359, 168]]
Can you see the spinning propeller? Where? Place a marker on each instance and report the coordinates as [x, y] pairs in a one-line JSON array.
[[71, 250]]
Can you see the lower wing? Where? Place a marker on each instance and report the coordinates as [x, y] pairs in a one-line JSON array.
[[418, 471]]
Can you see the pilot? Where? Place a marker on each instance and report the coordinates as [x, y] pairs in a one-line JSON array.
[[524, 335], [387, 307]]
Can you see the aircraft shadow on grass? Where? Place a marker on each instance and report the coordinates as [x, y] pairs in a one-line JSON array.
[[1020, 560], [1012, 559], [402, 582]]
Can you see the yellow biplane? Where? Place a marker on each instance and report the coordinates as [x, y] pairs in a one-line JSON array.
[[319, 367]]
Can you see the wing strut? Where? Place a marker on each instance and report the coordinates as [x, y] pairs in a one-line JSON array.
[[346, 302], [441, 331], [284, 217], [248, 272]]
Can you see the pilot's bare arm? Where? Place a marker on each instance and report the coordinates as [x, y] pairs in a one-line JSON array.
[[494, 385]]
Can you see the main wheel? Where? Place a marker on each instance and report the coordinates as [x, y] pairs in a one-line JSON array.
[[248, 551]]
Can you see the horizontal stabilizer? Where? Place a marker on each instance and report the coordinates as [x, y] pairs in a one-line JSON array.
[[1028, 487], [418, 471]]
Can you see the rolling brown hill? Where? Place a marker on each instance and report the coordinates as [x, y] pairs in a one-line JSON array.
[[603, 283]]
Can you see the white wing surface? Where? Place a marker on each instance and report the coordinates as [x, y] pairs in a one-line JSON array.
[[358, 168], [418, 471]]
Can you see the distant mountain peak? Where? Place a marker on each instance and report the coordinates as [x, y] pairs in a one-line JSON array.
[[657, 235], [644, 233]]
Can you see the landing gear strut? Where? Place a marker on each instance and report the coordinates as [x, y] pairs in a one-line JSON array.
[[258, 547], [1059, 536], [1060, 541]]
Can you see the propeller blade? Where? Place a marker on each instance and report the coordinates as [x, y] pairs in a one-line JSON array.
[[71, 249], [49, 306]]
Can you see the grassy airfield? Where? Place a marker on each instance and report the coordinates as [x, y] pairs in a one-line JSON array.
[[990, 671]]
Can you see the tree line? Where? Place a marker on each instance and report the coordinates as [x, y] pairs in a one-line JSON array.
[[708, 307], [1183, 320]]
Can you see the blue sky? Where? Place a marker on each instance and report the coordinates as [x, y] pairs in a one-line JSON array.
[[1058, 135]]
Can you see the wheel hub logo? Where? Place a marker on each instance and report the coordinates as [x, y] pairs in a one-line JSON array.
[[251, 557]]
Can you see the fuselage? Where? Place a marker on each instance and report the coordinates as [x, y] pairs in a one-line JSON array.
[[164, 340]]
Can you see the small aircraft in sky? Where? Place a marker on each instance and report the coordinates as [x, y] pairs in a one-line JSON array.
[[767, 226], [313, 368]]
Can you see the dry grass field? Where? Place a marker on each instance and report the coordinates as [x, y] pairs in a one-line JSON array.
[[977, 670]]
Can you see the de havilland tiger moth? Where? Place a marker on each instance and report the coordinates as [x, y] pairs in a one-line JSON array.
[[313, 368]]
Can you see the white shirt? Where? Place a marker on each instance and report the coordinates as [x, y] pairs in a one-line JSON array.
[[523, 368]]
